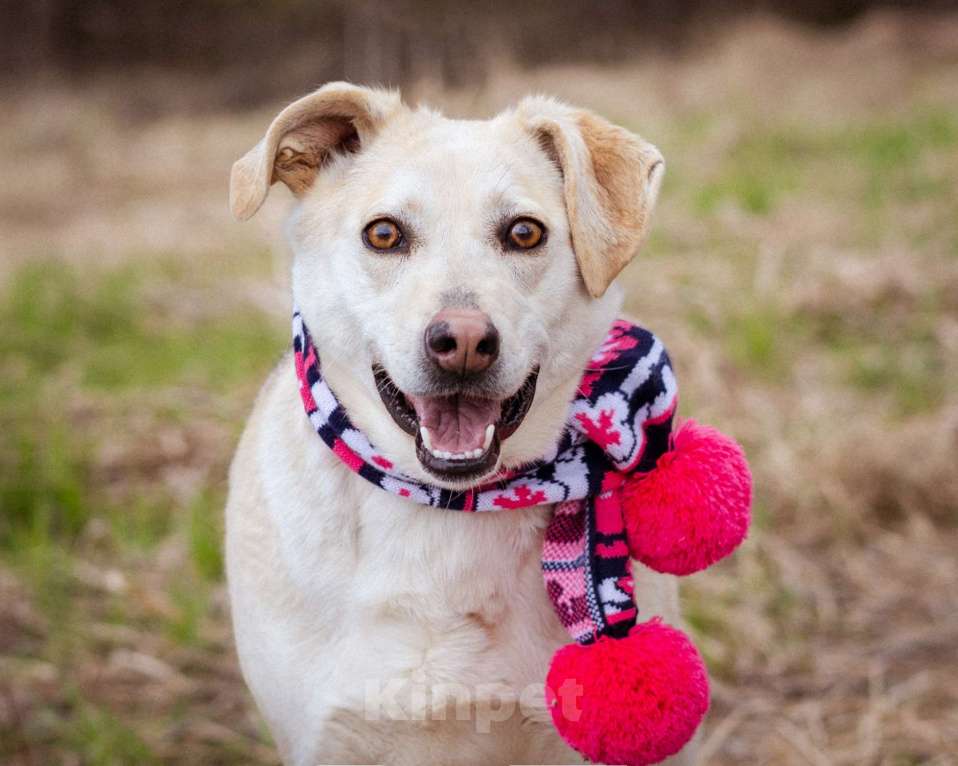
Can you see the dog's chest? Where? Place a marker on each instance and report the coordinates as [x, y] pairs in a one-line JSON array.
[[439, 596], [359, 548], [434, 563]]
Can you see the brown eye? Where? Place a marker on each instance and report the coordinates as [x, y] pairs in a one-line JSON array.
[[524, 234], [383, 235]]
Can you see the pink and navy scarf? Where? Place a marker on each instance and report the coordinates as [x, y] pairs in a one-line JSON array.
[[619, 423]]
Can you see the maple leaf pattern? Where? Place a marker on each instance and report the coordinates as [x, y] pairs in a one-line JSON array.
[[604, 433], [523, 498]]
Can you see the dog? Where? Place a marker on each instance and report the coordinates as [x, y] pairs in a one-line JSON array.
[[456, 277]]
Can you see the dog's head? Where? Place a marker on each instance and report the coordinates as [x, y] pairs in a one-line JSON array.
[[455, 274]]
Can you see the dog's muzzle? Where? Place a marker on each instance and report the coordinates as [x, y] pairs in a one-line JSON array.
[[458, 435]]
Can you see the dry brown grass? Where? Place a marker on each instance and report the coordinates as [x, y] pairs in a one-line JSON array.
[[804, 272]]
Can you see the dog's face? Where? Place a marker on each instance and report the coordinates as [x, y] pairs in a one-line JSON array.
[[453, 273]]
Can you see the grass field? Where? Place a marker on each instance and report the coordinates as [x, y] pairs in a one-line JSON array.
[[803, 271]]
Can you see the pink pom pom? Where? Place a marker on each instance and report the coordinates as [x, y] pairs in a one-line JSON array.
[[634, 700], [693, 508]]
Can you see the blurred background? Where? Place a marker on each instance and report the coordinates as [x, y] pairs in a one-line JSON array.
[[803, 271]]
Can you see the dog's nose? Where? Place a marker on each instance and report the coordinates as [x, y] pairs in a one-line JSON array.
[[462, 340]]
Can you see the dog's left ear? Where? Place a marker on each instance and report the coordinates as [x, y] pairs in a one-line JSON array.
[[611, 179], [337, 117]]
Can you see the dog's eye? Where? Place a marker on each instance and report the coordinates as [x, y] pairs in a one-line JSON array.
[[524, 234], [383, 234]]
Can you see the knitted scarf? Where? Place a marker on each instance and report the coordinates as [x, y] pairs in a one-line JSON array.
[[618, 423]]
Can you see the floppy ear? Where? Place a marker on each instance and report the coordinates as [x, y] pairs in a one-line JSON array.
[[338, 116], [611, 179]]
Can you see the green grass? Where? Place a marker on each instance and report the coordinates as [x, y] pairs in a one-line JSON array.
[[190, 597], [891, 349], [81, 352], [205, 535], [143, 521], [44, 484], [68, 337], [898, 360], [882, 162], [914, 376], [892, 144], [55, 317], [100, 738], [66, 334], [79, 349], [757, 340]]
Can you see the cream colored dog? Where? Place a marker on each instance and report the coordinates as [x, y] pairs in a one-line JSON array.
[[371, 629]]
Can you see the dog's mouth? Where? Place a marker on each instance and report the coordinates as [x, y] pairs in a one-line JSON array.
[[458, 436]]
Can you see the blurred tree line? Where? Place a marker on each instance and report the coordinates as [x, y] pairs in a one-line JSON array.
[[257, 47]]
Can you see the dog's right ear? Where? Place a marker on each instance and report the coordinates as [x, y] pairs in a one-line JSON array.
[[338, 116], [611, 178]]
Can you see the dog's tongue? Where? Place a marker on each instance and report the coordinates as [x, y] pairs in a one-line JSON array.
[[455, 423]]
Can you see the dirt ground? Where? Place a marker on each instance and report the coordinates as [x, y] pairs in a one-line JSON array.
[[803, 271]]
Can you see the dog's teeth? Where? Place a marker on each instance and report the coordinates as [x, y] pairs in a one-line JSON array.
[[444, 455], [426, 438], [487, 439], [470, 455]]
